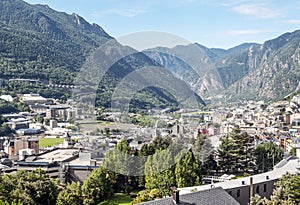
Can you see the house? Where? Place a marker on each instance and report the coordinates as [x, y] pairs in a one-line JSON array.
[[262, 184], [66, 164], [25, 143], [19, 123], [214, 196], [49, 161], [31, 99]]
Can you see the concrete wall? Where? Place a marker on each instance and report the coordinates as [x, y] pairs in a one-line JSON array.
[[242, 193]]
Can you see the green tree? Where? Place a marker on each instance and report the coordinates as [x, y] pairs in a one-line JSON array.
[[71, 195], [12, 203], [98, 186], [224, 154], [202, 148], [242, 151], [288, 188], [257, 200], [29, 188], [267, 155], [235, 152], [188, 171], [121, 161], [146, 150], [159, 171], [160, 143], [293, 151], [145, 196], [38, 118]]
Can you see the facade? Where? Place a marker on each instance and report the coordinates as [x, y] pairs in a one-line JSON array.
[[66, 164], [262, 184], [25, 143]]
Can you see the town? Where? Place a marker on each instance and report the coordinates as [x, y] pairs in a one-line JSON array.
[[68, 144], [149, 102]]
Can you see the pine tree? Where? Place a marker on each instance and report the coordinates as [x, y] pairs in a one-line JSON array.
[[241, 150], [224, 154], [235, 152]]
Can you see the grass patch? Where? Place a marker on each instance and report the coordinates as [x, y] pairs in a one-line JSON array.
[[118, 199], [49, 142]]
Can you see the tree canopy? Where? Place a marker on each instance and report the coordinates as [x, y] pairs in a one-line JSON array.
[[267, 155], [29, 188]]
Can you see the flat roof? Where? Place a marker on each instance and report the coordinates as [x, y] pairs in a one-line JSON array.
[[60, 106], [80, 162], [58, 155], [283, 167]]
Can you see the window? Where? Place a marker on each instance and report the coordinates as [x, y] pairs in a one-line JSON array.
[[265, 187], [238, 193], [257, 189]]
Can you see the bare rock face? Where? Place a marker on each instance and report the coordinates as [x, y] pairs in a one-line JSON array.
[[269, 71]]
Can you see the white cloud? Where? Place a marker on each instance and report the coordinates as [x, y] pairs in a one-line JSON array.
[[245, 32], [130, 13], [257, 10], [292, 21]]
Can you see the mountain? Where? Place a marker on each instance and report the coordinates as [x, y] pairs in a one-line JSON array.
[[266, 71], [57, 48], [38, 42], [276, 72], [208, 71]]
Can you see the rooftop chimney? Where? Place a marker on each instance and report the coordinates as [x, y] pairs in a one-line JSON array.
[[175, 194], [251, 187]]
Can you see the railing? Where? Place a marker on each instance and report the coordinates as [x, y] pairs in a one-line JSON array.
[[213, 179]]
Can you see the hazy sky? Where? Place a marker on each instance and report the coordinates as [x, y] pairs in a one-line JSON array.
[[212, 23]]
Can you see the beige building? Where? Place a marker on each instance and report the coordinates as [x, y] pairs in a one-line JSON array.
[[31, 99]]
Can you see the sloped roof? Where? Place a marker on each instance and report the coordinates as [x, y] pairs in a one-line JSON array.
[[164, 201], [214, 196]]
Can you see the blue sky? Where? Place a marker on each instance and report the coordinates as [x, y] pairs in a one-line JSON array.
[[212, 23]]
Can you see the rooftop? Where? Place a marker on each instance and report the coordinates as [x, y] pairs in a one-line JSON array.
[[59, 155], [289, 165], [215, 196]]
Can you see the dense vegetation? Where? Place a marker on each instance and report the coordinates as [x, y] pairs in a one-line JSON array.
[[236, 154], [29, 188], [4, 128]]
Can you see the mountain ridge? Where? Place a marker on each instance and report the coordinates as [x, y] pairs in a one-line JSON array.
[[267, 71], [38, 42]]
